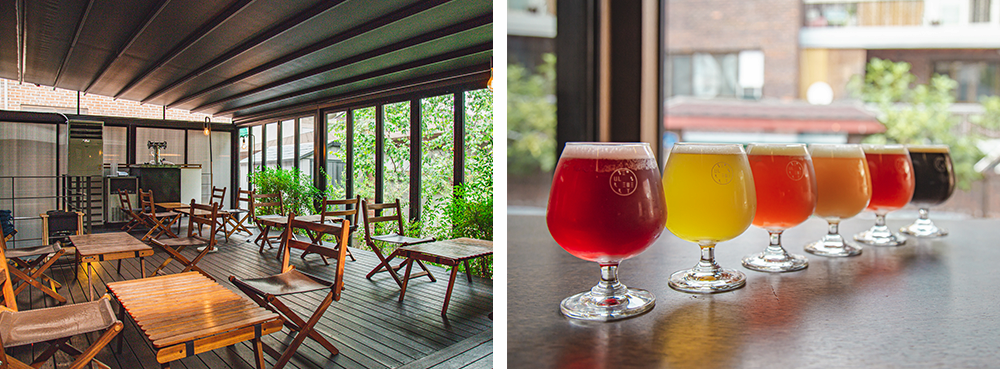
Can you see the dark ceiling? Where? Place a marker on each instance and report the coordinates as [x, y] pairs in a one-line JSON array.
[[243, 58]]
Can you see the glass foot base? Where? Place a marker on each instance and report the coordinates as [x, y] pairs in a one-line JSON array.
[[876, 237], [692, 281], [761, 263], [833, 250], [923, 230], [584, 306]]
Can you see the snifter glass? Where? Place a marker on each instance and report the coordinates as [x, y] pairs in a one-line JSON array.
[[710, 192], [934, 177], [892, 187], [786, 196], [606, 205], [843, 189]]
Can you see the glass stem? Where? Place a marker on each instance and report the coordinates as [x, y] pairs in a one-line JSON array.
[[774, 249], [707, 266], [833, 228], [923, 214], [609, 291], [879, 220]]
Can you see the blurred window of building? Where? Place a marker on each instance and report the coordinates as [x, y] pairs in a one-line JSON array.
[[975, 79]]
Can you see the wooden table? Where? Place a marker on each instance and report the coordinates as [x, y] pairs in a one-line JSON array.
[[109, 246], [187, 314], [929, 304], [447, 252], [172, 206]]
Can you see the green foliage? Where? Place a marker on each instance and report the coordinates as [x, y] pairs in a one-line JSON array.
[[919, 114], [298, 193], [531, 118]]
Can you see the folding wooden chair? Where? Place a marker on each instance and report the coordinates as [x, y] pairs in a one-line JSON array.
[[265, 291], [259, 201], [134, 219], [158, 220], [54, 325], [30, 264], [350, 212], [234, 219], [219, 197], [201, 215], [395, 238]]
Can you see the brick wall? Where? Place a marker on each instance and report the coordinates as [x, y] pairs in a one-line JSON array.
[[771, 26], [31, 96]]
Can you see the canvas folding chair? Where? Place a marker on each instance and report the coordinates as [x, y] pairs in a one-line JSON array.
[[265, 291], [54, 325], [234, 220], [159, 221], [392, 238], [258, 201], [134, 219], [201, 216], [30, 265], [349, 212]]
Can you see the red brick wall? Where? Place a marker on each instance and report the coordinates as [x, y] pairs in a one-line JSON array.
[[771, 26], [17, 94]]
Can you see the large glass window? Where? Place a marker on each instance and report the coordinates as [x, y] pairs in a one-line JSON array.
[[478, 136], [975, 79], [23, 146], [364, 153], [437, 145], [336, 153], [396, 154], [306, 145], [115, 145], [287, 144], [271, 151], [173, 154], [214, 160]]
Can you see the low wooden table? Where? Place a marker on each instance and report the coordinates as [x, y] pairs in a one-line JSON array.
[[109, 246], [447, 252], [187, 314]]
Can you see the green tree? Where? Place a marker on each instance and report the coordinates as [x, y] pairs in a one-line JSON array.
[[918, 113], [531, 118]]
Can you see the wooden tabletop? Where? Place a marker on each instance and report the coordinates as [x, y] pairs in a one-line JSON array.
[[930, 303], [174, 309], [455, 250], [172, 205], [280, 220], [108, 243]]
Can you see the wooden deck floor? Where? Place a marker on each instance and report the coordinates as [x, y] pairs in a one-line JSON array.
[[368, 325]]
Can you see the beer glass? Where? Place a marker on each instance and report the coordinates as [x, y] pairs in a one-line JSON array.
[[606, 205], [843, 189], [934, 178], [892, 187], [785, 183], [710, 193]]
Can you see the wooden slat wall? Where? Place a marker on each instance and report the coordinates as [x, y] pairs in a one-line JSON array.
[[891, 13]]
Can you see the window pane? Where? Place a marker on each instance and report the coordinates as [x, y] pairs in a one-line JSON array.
[[115, 145], [396, 146], [306, 143], [287, 144], [214, 171], [364, 153], [479, 137], [437, 122], [245, 151], [257, 141], [336, 154], [271, 152], [173, 154]]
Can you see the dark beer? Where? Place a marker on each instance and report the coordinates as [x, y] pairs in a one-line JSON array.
[[935, 176]]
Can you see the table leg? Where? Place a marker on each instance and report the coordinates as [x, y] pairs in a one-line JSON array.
[[468, 270], [90, 283], [406, 278], [119, 266], [451, 284], [142, 267], [258, 352]]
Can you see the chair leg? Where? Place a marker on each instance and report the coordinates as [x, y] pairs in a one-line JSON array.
[[85, 357], [28, 280], [306, 331], [49, 351]]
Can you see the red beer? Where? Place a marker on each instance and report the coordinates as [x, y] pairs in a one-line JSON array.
[[786, 191], [607, 205], [892, 177]]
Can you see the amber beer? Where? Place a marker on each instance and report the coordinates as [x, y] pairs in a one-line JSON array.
[[933, 174], [605, 206], [844, 188]]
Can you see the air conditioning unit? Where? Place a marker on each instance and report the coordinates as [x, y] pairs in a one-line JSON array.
[[86, 148]]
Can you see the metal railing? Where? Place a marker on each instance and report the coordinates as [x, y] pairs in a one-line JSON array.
[[73, 193]]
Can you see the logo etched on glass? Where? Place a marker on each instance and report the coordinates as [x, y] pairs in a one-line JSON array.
[[722, 173], [624, 182], [795, 170]]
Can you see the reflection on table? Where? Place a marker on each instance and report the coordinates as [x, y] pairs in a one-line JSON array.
[[930, 303]]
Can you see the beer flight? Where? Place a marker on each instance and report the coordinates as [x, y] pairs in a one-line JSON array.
[[609, 202]]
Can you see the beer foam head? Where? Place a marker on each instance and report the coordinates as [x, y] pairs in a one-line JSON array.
[[777, 149], [836, 151], [607, 150], [943, 149], [706, 148], [884, 149]]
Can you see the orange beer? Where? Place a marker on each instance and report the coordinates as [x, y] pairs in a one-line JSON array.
[[843, 184]]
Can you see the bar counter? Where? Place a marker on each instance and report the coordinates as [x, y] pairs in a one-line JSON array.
[[929, 303]]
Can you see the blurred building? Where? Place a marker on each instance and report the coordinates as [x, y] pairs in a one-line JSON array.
[[777, 70]]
